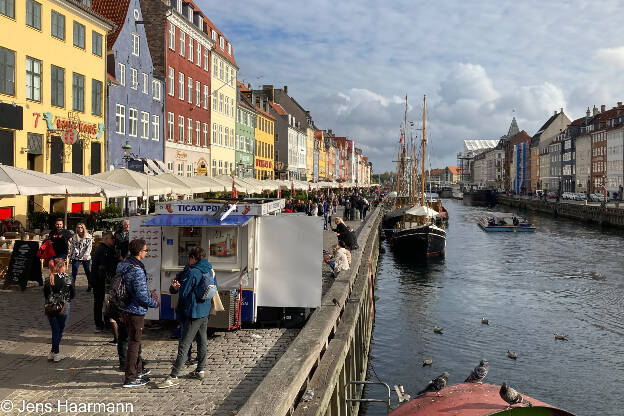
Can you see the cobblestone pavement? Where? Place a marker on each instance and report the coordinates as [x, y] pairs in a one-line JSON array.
[[237, 362]]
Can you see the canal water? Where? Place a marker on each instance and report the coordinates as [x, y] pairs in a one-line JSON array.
[[567, 277]]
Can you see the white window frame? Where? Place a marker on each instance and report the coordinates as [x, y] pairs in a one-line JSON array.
[[215, 133], [180, 169], [226, 136], [172, 37], [205, 141], [220, 102], [221, 42], [145, 121], [170, 166], [213, 34], [122, 74], [189, 126], [170, 126], [120, 119], [155, 127], [206, 95], [133, 121], [199, 53], [206, 60], [181, 86], [189, 85], [229, 49], [134, 79], [145, 83], [189, 170], [197, 93], [215, 101], [171, 82], [226, 105], [215, 66], [181, 128], [136, 44], [182, 43], [197, 133], [156, 90], [190, 49], [220, 135]]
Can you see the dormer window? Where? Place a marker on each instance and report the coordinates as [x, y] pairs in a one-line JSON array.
[[179, 6], [190, 14], [229, 48], [214, 35], [221, 42]]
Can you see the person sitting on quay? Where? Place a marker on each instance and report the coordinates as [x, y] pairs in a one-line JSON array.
[[345, 234], [58, 291], [195, 295], [80, 253], [340, 260]]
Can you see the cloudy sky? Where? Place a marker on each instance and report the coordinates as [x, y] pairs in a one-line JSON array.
[[351, 63]]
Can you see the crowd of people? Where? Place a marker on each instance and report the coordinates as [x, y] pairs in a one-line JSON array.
[[118, 280]]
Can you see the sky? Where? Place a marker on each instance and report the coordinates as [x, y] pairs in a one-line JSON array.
[[480, 63]]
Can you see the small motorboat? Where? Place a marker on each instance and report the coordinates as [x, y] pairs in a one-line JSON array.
[[504, 222]]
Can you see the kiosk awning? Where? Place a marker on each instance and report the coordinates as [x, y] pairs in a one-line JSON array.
[[185, 220]]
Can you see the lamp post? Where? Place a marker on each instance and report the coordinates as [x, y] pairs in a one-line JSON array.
[[127, 155]]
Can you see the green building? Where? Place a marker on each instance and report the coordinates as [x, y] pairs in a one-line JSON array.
[[245, 125]]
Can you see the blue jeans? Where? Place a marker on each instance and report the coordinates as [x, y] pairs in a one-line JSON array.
[[193, 329], [326, 217], [86, 264], [57, 323]]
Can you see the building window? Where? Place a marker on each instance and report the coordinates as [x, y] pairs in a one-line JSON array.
[[122, 75], [180, 129], [189, 83], [206, 60], [155, 127], [190, 49], [7, 71], [199, 54], [214, 133], [227, 106], [220, 167], [221, 42], [215, 99], [226, 137], [145, 83], [33, 14], [78, 92], [57, 26], [33, 79], [215, 67], [197, 133], [205, 142], [189, 135], [172, 29], [221, 103], [57, 83], [180, 169], [189, 170], [221, 70], [96, 97], [213, 34], [206, 97], [171, 81], [170, 166], [229, 49], [135, 44], [181, 86], [156, 90], [197, 94], [133, 121], [96, 43], [182, 42], [134, 79], [7, 8], [170, 126], [214, 167], [144, 125], [220, 135], [79, 35], [120, 119]]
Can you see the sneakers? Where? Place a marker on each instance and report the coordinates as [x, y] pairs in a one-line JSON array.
[[57, 357], [145, 372], [190, 362], [51, 356], [137, 382], [199, 375], [169, 382]]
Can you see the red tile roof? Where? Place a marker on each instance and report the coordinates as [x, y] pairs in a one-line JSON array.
[[264, 113], [278, 108], [242, 86], [454, 169], [115, 11]]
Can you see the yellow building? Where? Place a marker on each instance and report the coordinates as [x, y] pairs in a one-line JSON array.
[[322, 160], [265, 140], [223, 109], [310, 154], [52, 74]]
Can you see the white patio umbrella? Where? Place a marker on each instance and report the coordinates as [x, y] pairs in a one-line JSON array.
[[209, 183], [16, 181], [149, 185], [108, 189], [226, 180], [179, 184]]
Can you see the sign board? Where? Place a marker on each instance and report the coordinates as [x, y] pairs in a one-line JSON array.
[[136, 165], [24, 264], [199, 208], [70, 136], [152, 237]]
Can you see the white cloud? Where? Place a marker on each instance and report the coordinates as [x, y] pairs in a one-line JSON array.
[[613, 58]]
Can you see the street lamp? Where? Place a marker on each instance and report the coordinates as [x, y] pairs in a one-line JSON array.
[[127, 155]]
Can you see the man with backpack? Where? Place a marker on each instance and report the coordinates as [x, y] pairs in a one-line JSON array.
[[196, 290], [137, 299]]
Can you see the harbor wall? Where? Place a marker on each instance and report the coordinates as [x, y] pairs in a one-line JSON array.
[[332, 348], [613, 216]]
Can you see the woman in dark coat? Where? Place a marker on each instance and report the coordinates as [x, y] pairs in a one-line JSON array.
[[58, 288], [345, 234]]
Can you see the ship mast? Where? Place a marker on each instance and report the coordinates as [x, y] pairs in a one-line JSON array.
[[424, 146]]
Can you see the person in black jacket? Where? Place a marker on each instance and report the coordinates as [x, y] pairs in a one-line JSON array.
[[60, 239], [345, 234], [104, 264], [58, 288], [122, 239]]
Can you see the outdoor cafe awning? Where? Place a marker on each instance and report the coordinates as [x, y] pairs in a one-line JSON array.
[[186, 220]]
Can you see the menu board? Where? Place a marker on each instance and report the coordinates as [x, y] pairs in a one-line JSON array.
[[153, 238], [223, 244], [24, 264]]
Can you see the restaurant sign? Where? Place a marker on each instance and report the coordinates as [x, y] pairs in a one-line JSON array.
[[212, 208]]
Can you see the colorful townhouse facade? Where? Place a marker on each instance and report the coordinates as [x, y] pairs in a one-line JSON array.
[[319, 142], [52, 88], [246, 116], [135, 110], [615, 151]]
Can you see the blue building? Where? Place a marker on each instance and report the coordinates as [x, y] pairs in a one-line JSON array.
[[135, 99]]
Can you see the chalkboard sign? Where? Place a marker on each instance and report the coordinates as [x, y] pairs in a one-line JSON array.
[[24, 264]]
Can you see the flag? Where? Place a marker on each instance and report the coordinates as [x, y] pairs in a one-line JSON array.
[[234, 191]]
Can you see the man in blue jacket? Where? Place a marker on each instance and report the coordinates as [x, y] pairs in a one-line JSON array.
[[195, 299], [133, 315]]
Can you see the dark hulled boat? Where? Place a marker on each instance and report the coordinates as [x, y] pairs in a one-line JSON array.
[[428, 240]]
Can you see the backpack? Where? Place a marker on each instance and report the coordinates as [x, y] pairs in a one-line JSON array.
[[55, 305], [208, 279], [119, 296]]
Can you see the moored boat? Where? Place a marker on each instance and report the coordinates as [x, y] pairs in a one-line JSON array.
[[503, 222]]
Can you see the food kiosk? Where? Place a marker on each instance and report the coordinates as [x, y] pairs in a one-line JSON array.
[[268, 258]]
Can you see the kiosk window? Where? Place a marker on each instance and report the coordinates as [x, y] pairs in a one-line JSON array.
[[187, 237]]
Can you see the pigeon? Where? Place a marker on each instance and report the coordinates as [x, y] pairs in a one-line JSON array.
[[479, 373], [512, 397], [512, 355], [428, 361], [436, 384], [437, 330], [485, 321], [561, 337]]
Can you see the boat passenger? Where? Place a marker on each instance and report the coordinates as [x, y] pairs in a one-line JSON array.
[[515, 221]]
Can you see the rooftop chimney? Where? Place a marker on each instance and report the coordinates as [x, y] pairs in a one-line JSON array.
[[555, 112], [619, 104], [603, 108], [286, 89], [270, 91], [595, 111], [588, 113], [249, 86]]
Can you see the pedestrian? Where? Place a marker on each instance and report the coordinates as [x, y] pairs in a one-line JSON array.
[[340, 259], [347, 210], [122, 239], [103, 271], [58, 291], [365, 206], [354, 207], [133, 315], [60, 239], [326, 214], [345, 234], [195, 293], [80, 253]]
